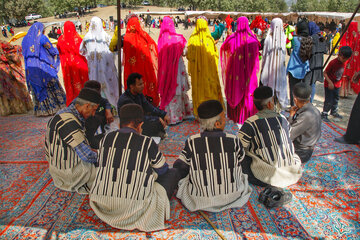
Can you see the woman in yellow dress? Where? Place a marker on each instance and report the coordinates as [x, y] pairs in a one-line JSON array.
[[203, 59], [334, 41]]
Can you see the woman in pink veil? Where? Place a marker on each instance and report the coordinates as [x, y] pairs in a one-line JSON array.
[[172, 75], [239, 57]]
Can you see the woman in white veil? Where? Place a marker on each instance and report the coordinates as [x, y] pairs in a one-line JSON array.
[[273, 72], [95, 47]]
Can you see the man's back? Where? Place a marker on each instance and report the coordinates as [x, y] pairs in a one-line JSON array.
[[215, 181], [266, 138], [69, 172], [125, 194], [306, 127]]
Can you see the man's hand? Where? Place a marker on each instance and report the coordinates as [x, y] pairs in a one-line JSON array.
[[108, 115], [330, 83], [293, 110], [162, 122], [167, 119]]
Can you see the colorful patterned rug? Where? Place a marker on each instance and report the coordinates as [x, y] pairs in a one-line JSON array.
[[325, 205]]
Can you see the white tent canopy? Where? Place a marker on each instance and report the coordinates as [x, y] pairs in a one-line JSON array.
[[214, 14], [160, 13], [333, 15]]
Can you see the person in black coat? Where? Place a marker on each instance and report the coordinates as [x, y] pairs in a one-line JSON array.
[[352, 135], [155, 119]]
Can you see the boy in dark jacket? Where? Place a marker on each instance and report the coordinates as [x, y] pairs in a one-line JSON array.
[[102, 117]]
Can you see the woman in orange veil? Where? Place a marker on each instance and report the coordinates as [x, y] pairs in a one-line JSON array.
[[141, 56]]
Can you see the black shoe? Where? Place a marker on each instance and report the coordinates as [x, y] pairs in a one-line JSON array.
[[343, 140], [337, 115], [162, 135], [265, 194], [278, 199], [340, 140], [325, 118]]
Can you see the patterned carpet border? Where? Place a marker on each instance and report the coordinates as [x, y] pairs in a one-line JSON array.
[[325, 201]]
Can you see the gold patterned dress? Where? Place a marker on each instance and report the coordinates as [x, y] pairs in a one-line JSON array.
[[14, 97]]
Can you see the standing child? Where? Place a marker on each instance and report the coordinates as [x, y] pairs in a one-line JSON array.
[[332, 84]]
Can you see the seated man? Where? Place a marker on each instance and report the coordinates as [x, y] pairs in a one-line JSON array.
[[71, 160], [210, 165], [133, 184], [305, 122], [270, 158], [103, 116], [155, 119]]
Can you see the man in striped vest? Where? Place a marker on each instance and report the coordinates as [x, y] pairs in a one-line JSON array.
[[71, 160], [270, 157], [133, 183], [210, 165]]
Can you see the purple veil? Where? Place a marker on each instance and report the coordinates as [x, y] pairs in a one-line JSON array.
[[239, 56], [170, 48], [41, 60]]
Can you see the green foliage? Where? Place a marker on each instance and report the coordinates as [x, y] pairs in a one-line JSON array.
[[60, 6], [13, 9], [238, 5], [17, 9], [324, 5]]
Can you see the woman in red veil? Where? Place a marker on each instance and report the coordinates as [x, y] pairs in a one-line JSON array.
[[141, 56], [352, 39], [74, 66]]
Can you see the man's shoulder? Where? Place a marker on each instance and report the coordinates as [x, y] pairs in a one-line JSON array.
[[252, 119], [125, 98], [198, 135], [68, 116], [230, 136], [193, 137], [111, 136], [273, 120], [63, 117], [310, 112], [124, 95]]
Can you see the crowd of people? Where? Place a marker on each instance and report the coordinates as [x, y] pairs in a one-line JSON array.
[[126, 176], [5, 30]]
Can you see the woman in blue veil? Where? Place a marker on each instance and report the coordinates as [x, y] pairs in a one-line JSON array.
[[41, 68]]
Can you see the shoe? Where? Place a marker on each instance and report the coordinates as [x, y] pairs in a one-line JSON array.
[[162, 135], [265, 194], [278, 199], [325, 118], [336, 115], [340, 140], [343, 140]]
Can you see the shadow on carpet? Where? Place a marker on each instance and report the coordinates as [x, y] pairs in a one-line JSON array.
[[325, 204]]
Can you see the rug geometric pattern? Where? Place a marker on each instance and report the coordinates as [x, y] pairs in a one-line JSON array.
[[325, 202]]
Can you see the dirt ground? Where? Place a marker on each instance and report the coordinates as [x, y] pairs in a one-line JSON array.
[[345, 104]]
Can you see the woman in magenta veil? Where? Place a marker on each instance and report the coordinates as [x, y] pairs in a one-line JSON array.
[[239, 57], [172, 75]]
